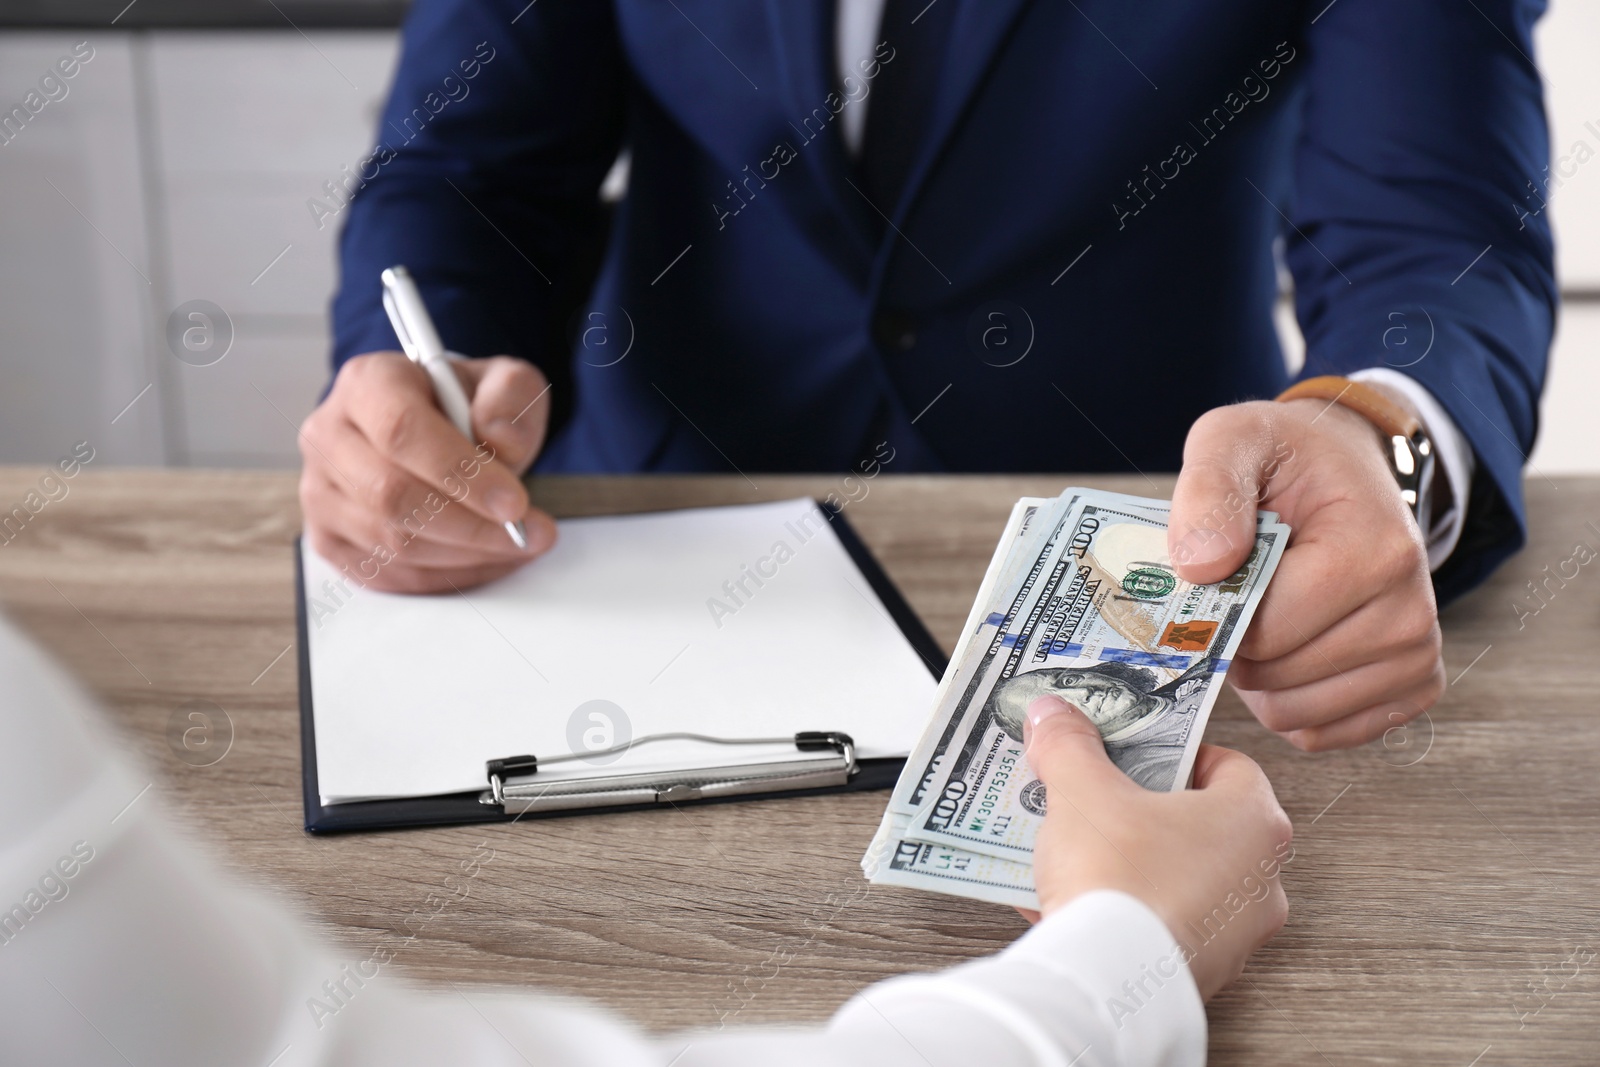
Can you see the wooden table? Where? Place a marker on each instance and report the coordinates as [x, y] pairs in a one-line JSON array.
[[1442, 897]]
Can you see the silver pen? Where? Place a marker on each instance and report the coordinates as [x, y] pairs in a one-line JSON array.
[[420, 340]]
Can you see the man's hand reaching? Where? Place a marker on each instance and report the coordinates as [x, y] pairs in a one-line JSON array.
[[1345, 644]]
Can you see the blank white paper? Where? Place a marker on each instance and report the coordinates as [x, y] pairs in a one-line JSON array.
[[748, 621]]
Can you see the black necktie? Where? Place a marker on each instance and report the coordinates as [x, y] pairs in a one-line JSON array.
[[902, 95]]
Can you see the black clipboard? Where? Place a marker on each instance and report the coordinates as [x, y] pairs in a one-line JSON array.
[[462, 808]]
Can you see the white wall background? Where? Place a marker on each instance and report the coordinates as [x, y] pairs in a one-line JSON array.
[[188, 159], [1569, 51], [178, 168]]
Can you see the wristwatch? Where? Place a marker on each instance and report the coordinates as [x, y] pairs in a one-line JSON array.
[[1411, 455]]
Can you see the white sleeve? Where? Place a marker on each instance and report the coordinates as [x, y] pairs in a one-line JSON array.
[[120, 942], [1101, 983], [1453, 454]]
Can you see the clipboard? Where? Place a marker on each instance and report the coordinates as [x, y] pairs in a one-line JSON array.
[[825, 760]]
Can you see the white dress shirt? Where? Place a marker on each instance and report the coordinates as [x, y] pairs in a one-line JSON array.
[[120, 943], [855, 37]]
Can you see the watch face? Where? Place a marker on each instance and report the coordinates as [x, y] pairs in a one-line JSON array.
[[1413, 462]]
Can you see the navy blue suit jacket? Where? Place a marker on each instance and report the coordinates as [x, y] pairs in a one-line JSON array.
[[1082, 261]]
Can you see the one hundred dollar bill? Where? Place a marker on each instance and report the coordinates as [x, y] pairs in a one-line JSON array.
[[928, 754], [1028, 546], [1081, 600], [943, 869], [1114, 631]]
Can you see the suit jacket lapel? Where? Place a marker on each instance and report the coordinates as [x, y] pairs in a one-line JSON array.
[[980, 28], [803, 32], [803, 35]]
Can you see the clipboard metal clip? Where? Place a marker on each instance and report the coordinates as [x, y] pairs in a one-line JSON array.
[[670, 787]]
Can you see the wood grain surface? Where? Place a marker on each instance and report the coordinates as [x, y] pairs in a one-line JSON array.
[[1442, 896]]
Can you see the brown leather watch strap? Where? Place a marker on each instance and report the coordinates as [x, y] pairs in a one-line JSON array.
[[1380, 408]]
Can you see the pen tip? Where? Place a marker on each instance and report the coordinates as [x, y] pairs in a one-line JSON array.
[[519, 534]]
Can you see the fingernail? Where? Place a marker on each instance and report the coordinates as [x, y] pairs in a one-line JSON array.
[[1040, 709], [1201, 545], [503, 504], [541, 534]]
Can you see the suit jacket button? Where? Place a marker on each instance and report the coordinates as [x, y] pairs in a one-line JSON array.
[[894, 331]]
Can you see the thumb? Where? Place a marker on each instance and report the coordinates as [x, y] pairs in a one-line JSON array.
[[1212, 526], [1227, 770], [510, 406], [1065, 750]]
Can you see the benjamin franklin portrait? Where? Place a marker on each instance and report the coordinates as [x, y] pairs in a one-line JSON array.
[[1145, 728]]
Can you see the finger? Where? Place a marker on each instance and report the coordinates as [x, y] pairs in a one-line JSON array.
[[1225, 770], [1211, 529], [1277, 910], [491, 548], [1065, 750], [1372, 632], [399, 578], [1238, 784], [1388, 719], [452, 537], [1029, 914], [1336, 565], [319, 436], [394, 408], [510, 406], [1345, 693], [366, 567]]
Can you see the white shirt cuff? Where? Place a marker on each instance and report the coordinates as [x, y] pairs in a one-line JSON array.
[[1101, 983], [1451, 451]]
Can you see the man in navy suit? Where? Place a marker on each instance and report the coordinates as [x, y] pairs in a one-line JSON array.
[[971, 235]]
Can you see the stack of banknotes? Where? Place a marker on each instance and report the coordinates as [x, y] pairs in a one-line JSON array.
[[1082, 600]]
